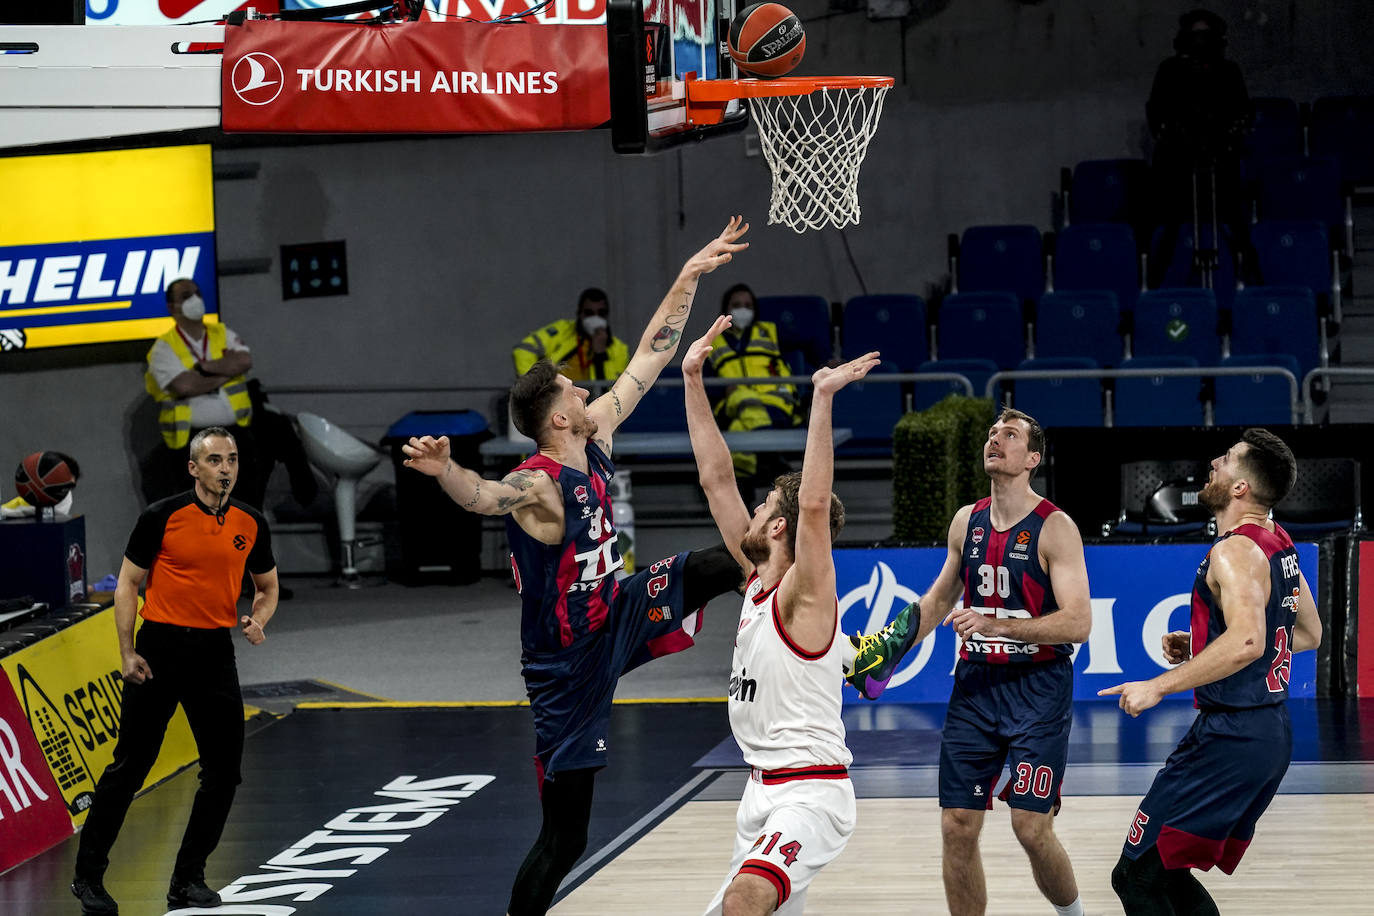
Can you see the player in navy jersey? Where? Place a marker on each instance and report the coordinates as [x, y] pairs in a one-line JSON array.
[[580, 629], [1017, 561], [1251, 610]]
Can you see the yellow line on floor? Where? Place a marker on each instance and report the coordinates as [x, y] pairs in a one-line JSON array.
[[347, 689]]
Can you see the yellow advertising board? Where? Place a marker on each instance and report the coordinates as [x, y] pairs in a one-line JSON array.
[[70, 689]]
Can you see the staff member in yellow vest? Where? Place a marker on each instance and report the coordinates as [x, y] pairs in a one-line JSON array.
[[583, 348], [192, 550], [197, 374], [749, 349]]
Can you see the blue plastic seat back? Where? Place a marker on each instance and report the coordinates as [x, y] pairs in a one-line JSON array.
[[1277, 319], [894, 325], [1300, 187], [1002, 259], [870, 408], [1343, 127], [1294, 253], [1078, 323], [977, 371], [982, 326], [803, 329], [1109, 191], [1182, 269], [1060, 401], [1277, 130], [1098, 256], [1255, 400], [1159, 400], [661, 410], [1177, 322]]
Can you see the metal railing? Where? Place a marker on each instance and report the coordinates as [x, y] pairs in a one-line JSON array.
[[1328, 372]]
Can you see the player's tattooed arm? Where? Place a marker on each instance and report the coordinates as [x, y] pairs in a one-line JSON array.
[[619, 411], [519, 486], [639, 383], [665, 339]]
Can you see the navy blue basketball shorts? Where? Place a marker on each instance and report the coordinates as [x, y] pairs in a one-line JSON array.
[[1016, 715], [1202, 807], [571, 689]]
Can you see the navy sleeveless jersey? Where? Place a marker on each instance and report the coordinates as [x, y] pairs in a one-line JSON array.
[[566, 589], [1263, 682], [1003, 577]]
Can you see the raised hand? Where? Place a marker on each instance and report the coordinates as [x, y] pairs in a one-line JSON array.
[[1178, 646], [829, 380], [427, 454], [719, 250], [701, 349]]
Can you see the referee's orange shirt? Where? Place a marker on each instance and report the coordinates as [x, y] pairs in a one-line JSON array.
[[195, 563]]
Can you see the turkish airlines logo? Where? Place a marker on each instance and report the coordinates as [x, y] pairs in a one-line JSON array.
[[257, 78]]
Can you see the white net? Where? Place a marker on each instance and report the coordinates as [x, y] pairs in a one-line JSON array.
[[814, 144]]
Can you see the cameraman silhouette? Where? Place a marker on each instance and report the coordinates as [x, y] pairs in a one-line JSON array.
[[1199, 114]]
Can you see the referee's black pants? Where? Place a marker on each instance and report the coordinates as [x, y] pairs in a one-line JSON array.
[[195, 668]]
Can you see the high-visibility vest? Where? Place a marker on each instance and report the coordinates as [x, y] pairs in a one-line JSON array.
[[174, 414], [560, 345], [760, 356]]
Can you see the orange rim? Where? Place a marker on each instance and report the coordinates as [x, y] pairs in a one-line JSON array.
[[723, 90]]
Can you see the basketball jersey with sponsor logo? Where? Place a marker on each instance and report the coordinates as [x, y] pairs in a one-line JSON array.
[[1263, 682], [566, 589], [1003, 578], [784, 701]]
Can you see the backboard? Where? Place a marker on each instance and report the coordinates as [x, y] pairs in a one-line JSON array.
[[655, 47]]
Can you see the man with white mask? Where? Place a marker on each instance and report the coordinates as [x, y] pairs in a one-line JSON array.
[[197, 375], [749, 348], [583, 348]]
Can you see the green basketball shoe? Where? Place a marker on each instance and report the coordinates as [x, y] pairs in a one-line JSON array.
[[876, 655]]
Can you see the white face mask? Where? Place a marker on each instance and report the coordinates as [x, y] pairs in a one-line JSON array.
[[593, 323], [193, 307], [743, 317]]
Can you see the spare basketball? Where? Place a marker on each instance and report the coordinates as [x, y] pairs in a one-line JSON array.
[[767, 40], [45, 478]]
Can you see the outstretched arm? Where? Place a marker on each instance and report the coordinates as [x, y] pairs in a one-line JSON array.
[[715, 470], [806, 596], [664, 331], [518, 489]]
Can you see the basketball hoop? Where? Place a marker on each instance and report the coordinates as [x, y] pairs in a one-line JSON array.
[[814, 132]]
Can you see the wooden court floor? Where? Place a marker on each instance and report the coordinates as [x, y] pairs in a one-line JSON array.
[[1311, 854]]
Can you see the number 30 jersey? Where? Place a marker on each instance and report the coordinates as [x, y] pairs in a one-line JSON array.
[[1003, 578], [567, 589]]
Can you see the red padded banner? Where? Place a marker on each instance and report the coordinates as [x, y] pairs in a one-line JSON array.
[[414, 77], [33, 814]]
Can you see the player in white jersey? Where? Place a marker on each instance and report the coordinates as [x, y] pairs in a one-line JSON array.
[[797, 812]]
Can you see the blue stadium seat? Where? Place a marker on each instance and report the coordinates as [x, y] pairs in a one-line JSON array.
[[977, 371], [1255, 400], [803, 329], [982, 326], [894, 325], [1180, 272], [1298, 187], [1343, 126], [871, 410], [1002, 259], [1098, 256], [1078, 323], [1277, 319], [1109, 191], [1061, 401], [1277, 132], [1177, 322], [1294, 253], [661, 410], [1158, 400]]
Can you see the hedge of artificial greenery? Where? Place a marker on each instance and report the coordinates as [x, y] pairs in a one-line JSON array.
[[937, 465]]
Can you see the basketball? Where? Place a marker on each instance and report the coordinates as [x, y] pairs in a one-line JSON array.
[[45, 478], [767, 40]]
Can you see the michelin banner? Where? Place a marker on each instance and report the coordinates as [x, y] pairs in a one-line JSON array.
[[1139, 593]]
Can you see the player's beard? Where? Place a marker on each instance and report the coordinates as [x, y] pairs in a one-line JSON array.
[[585, 429], [1216, 495], [754, 546]]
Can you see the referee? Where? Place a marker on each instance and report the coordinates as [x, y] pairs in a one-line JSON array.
[[192, 550]]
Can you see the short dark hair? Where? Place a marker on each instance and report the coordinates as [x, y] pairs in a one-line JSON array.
[[730, 294], [173, 285], [208, 432], [788, 507], [532, 398], [1269, 466], [592, 294]]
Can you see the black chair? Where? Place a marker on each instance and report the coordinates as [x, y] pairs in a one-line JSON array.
[[1159, 499], [1324, 500]]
